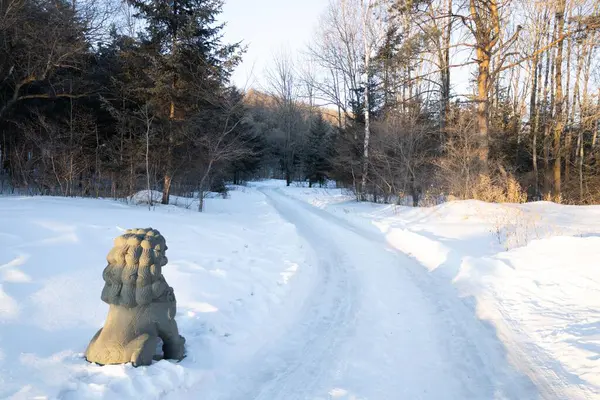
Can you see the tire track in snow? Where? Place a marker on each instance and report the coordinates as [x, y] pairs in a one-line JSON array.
[[330, 316], [375, 326], [296, 364], [453, 344]]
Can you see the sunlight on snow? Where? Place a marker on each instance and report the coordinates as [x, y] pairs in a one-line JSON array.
[[337, 392], [199, 307], [289, 272]]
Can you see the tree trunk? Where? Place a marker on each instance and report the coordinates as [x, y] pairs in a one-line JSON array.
[[113, 186], [597, 126], [367, 50], [169, 161], [567, 107], [3, 152], [482, 106], [558, 129], [533, 116], [571, 122], [201, 197], [148, 159], [365, 168], [486, 18], [580, 164], [445, 72], [415, 192], [547, 107], [169, 167]]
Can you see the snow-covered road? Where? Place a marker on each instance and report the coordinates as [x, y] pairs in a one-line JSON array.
[[375, 325]]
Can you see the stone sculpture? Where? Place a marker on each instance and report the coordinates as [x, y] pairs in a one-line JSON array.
[[142, 304]]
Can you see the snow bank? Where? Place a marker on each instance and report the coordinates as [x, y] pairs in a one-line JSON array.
[[142, 197], [533, 270], [545, 300], [232, 268]]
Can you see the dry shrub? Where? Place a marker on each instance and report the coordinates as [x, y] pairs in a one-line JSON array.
[[502, 188], [551, 197], [514, 228], [432, 198]]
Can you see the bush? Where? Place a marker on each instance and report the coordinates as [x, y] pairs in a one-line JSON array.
[[503, 188], [218, 186]]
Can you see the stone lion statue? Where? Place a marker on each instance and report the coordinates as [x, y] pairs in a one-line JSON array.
[[142, 305]]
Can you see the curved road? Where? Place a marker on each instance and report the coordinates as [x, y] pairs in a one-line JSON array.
[[376, 325]]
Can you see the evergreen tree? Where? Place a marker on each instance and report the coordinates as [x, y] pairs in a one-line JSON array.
[[317, 155], [190, 66]]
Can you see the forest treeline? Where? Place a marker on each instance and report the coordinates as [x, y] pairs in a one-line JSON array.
[[486, 99]]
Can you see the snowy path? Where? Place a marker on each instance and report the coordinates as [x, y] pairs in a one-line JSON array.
[[376, 325]]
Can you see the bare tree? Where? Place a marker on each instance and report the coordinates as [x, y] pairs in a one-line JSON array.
[[147, 118], [283, 86], [337, 50], [373, 31], [558, 111], [484, 23], [220, 144]]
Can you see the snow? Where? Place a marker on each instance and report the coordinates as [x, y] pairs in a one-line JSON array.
[[532, 270], [303, 293], [227, 269]]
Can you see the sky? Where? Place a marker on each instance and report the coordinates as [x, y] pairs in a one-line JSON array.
[[268, 26]]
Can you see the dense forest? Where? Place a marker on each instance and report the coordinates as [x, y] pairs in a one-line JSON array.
[[485, 99]]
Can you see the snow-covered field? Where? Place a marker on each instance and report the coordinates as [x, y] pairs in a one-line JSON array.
[[230, 267], [297, 293]]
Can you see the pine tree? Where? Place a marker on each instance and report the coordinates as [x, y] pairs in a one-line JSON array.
[[190, 64], [317, 154]]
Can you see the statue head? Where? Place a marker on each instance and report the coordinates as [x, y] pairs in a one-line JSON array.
[[133, 275]]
